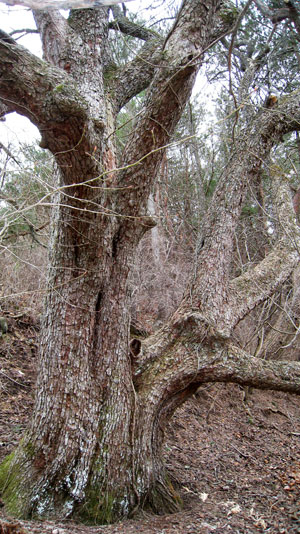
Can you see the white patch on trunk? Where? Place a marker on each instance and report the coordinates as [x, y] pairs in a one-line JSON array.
[[62, 4]]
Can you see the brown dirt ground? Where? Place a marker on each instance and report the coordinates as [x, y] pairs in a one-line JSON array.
[[237, 465]]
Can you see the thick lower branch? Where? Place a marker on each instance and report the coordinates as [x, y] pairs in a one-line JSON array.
[[239, 367], [174, 376], [256, 285]]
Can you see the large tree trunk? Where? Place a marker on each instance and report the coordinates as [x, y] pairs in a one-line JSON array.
[[93, 447], [86, 450], [93, 444]]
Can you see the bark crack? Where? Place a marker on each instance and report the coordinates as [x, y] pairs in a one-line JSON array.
[[98, 302]]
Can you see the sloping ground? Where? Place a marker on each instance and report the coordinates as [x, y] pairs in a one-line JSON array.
[[18, 349], [237, 465]]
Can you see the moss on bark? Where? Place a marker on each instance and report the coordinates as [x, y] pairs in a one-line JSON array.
[[164, 498], [10, 484], [98, 508]]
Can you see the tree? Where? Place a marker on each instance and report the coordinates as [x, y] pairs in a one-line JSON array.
[[103, 399]]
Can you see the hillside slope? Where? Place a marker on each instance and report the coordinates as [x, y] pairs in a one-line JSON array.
[[236, 465]]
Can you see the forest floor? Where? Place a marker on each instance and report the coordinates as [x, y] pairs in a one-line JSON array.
[[237, 464]]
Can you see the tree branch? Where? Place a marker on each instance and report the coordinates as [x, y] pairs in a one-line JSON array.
[[4, 109], [167, 95], [126, 26], [34, 89], [50, 98], [52, 26], [24, 31], [62, 4], [254, 286], [137, 75], [9, 153], [6, 38], [210, 289], [213, 304], [239, 367], [169, 380]]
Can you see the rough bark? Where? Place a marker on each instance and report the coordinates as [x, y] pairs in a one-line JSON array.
[[84, 450], [93, 447]]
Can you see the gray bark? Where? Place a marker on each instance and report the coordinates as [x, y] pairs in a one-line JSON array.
[[93, 447]]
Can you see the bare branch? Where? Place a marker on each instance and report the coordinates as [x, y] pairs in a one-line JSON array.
[[241, 368], [126, 26], [256, 285], [6, 38], [34, 89], [9, 153], [176, 375], [52, 100], [62, 4], [138, 74], [253, 287], [23, 31]]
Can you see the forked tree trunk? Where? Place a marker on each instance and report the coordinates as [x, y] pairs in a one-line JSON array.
[[93, 447], [86, 450]]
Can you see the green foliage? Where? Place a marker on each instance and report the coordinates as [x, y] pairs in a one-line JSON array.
[[98, 507], [211, 186], [276, 47], [249, 210], [229, 13], [59, 88], [127, 119]]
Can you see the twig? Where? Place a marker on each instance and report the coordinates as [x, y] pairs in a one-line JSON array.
[[12, 380]]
